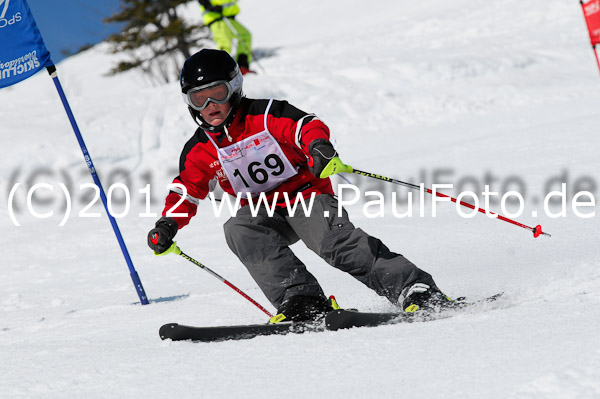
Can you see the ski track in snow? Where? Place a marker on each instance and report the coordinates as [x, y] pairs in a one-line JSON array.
[[508, 88]]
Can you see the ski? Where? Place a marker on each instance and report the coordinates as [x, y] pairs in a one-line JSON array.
[[345, 318], [350, 318], [178, 332], [335, 320]]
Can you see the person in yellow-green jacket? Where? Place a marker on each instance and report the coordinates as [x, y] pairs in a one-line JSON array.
[[228, 34]]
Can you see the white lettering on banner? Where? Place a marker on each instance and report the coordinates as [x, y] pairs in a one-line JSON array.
[[13, 20], [19, 66], [6, 3], [4, 22], [592, 8]]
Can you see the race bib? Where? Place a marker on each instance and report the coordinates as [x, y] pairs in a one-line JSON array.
[[256, 164]]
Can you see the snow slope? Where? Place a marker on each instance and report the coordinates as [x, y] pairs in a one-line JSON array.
[[452, 92]]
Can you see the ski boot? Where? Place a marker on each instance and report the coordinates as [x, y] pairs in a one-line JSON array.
[[246, 71], [244, 65], [305, 308], [422, 297]]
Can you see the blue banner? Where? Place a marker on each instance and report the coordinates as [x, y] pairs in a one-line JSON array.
[[22, 49]]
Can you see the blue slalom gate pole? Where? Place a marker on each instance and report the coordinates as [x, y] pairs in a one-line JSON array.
[[88, 160]]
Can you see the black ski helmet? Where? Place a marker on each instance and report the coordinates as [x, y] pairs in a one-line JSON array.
[[208, 66]]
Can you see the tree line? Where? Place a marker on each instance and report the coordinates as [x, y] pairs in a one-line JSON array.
[[154, 37]]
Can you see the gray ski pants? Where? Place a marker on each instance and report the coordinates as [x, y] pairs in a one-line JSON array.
[[262, 245]]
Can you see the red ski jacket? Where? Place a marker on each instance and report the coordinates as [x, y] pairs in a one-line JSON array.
[[294, 130]]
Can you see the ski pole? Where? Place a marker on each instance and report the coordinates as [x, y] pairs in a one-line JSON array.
[[137, 283], [177, 251], [341, 167], [537, 230]]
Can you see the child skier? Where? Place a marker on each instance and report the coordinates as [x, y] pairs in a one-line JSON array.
[[252, 146]]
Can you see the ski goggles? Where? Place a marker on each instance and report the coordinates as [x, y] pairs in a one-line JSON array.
[[217, 92]]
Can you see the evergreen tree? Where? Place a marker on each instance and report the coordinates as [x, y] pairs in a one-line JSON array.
[[155, 38]]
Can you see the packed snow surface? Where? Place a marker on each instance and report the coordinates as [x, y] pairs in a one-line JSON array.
[[505, 93]]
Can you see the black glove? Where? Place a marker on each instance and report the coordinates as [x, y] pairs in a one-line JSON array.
[[321, 153], [160, 238]]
